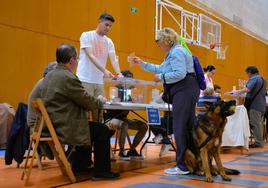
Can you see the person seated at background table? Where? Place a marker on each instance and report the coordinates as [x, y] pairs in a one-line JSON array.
[[208, 98], [67, 104], [122, 123], [162, 133], [217, 90]]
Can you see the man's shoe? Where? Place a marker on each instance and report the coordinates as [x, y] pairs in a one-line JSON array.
[[133, 154], [176, 171], [105, 176], [123, 156]]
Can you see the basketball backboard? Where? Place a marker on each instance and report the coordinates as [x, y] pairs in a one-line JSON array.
[[210, 32], [196, 29]]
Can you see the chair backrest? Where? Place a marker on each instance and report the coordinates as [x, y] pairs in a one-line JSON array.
[[52, 140], [42, 112]]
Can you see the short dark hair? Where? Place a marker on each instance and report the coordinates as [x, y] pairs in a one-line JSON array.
[[209, 68], [106, 16], [65, 52], [216, 87], [252, 70], [127, 73]]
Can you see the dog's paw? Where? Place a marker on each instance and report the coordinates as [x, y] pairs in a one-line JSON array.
[[200, 173], [214, 172], [209, 179], [226, 178]]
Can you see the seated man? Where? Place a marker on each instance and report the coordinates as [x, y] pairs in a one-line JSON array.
[[122, 123], [67, 104], [208, 98]]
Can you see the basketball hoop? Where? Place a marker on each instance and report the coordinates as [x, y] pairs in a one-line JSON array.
[[220, 48]]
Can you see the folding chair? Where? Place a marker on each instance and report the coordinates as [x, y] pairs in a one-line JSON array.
[[52, 140]]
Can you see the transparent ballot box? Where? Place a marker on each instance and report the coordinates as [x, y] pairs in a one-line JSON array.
[[130, 90]]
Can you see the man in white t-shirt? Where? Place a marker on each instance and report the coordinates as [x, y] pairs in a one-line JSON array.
[[95, 47]]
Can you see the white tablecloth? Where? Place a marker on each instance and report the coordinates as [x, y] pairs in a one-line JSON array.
[[237, 132]]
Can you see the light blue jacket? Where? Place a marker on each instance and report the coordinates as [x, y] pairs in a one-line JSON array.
[[176, 65]]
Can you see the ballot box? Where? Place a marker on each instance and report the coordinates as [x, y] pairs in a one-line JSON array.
[[131, 90]]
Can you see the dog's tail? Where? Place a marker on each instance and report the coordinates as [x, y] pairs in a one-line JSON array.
[[229, 171]]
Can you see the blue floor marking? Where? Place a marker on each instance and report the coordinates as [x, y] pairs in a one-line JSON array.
[[253, 159], [255, 172], [235, 181], [260, 154], [159, 185], [247, 164], [2, 153]]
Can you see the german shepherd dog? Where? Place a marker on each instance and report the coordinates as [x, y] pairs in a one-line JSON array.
[[206, 139]]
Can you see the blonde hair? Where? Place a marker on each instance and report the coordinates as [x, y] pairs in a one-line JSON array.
[[167, 35], [208, 92]]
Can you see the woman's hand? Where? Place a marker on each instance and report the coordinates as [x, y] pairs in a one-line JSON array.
[[156, 78], [136, 60]]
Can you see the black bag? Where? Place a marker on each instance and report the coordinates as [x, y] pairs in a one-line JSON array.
[[166, 96], [249, 100]]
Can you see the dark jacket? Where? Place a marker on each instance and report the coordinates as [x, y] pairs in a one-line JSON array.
[[18, 140]]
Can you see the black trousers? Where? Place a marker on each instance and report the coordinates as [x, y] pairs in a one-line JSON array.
[[185, 96], [100, 142]]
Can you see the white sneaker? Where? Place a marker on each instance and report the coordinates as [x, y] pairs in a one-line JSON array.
[[164, 149], [158, 139], [175, 171]]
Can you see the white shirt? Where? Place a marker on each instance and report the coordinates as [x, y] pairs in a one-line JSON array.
[[102, 47], [209, 84]]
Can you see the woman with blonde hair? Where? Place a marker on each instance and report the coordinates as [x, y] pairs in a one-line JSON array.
[[177, 70]]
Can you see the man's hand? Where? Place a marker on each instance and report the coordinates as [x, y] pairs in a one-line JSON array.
[[102, 99], [119, 75], [107, 74]]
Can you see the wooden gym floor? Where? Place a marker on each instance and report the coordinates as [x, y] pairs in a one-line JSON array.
[[149, 173]]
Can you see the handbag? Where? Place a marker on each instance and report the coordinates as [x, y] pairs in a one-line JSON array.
[[166, 96], [249, 100]]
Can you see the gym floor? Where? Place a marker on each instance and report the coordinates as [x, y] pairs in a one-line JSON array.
[[149, 173]]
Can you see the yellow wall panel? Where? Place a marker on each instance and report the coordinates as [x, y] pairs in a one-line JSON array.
[[28, 14], [68, 18], [23, 58]]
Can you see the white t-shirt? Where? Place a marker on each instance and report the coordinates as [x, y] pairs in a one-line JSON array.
[[102, 47]]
